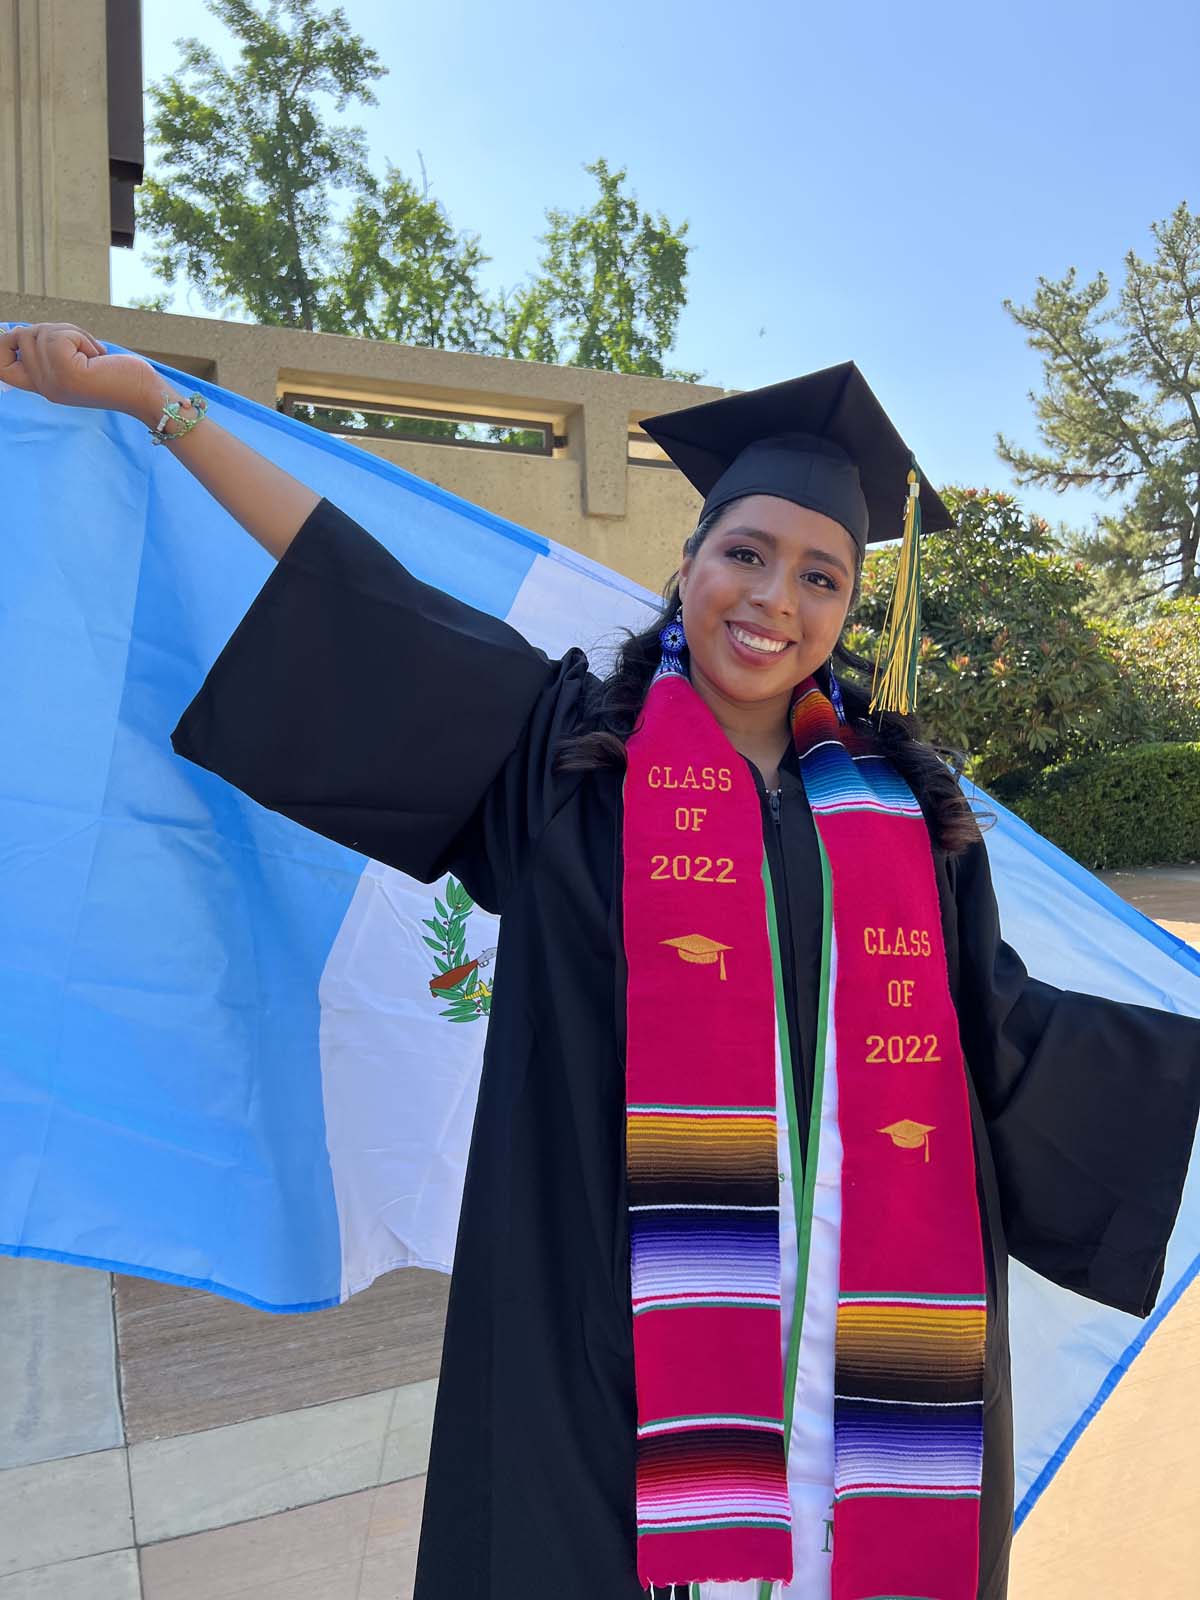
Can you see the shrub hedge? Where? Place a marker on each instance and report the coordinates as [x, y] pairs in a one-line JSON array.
[[1159, 664], [1133, 807]]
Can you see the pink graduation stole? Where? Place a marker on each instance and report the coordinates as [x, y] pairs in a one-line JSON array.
[[712, 1496]]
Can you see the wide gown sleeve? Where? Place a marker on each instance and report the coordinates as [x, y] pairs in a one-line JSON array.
[[380, 712], [1091, 1107]]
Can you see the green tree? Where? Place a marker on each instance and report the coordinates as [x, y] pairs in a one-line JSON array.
[[404, 274], [1159, 663], [609, 290], [1012, 672], [239, 203], [1119, 412]]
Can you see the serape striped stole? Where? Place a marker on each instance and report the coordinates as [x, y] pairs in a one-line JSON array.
[[712, 1493]]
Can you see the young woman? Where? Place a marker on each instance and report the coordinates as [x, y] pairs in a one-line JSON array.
[[766, 1102]]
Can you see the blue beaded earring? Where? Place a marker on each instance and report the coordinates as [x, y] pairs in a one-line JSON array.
[[673, 641], [835, 695]]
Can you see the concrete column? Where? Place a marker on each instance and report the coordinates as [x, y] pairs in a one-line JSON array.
[[246, 373], [603, 427], [54, 192]]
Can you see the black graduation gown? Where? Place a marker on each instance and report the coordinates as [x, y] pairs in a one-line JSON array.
[[1083, 1109]]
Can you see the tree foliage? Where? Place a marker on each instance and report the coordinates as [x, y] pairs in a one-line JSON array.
[[1159, 665], [403, 273], [239, 204], [1134, 807], [1120, 412], [609, 290], [1012, 673]]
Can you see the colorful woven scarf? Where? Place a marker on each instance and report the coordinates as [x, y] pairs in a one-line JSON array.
[[712, 1491]]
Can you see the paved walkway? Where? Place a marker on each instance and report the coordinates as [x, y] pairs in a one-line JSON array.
[[1171, 895]]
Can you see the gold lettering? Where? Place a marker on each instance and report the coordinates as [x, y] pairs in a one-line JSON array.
[[708, 778], [901, 942], [900, 991], [910, 1048], [724, 779], [689, 818], [699, 869], [655, 778]]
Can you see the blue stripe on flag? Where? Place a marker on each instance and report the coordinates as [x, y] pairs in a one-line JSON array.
[[1083, 881], [1116, 1372], [1069, 1353], [162, 937]]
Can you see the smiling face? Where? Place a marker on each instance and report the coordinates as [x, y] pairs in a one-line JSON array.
[[764, 601]]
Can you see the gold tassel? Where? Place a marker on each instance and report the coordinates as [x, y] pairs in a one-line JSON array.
[[894, 687]]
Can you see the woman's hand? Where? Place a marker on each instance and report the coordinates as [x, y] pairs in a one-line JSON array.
[[70, 368], [67, 366]]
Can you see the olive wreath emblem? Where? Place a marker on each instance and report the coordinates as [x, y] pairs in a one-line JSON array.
[[458, 979]]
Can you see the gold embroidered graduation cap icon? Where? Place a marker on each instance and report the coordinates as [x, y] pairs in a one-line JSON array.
[[695, 947], [909, 1135]]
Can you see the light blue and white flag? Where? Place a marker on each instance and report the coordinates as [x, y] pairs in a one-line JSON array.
[[222, 1062]]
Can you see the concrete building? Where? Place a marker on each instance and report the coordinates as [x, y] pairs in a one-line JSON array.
[[163, 1443]]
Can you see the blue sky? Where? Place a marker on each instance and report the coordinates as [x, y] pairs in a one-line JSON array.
[[865, 181]]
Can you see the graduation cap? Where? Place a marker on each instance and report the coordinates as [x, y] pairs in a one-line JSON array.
[[699, 948], [909, 1135], [825, 442]]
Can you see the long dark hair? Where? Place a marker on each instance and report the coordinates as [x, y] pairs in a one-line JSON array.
[[922, 764]]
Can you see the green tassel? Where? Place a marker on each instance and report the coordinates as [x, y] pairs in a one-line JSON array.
[[894, 687]]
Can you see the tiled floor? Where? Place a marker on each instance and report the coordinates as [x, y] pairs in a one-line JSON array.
[[251, 1469], [357, 1547], [107, 1577], [191, 1360], [58, 1386], [60, 1510], [257, 1463], [1171, 895]]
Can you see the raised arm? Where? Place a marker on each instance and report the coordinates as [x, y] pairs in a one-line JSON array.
[[269, 503], [353, 698], [68, 367]]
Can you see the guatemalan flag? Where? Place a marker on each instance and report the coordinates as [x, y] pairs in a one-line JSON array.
[[229, 1054]]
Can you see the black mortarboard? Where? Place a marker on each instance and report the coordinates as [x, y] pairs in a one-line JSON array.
[[825, 442], [822, 440]]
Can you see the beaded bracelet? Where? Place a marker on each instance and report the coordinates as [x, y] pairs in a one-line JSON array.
[[170, 413]]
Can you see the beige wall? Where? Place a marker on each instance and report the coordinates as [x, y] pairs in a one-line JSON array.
[[54, 196], [587, 495]]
